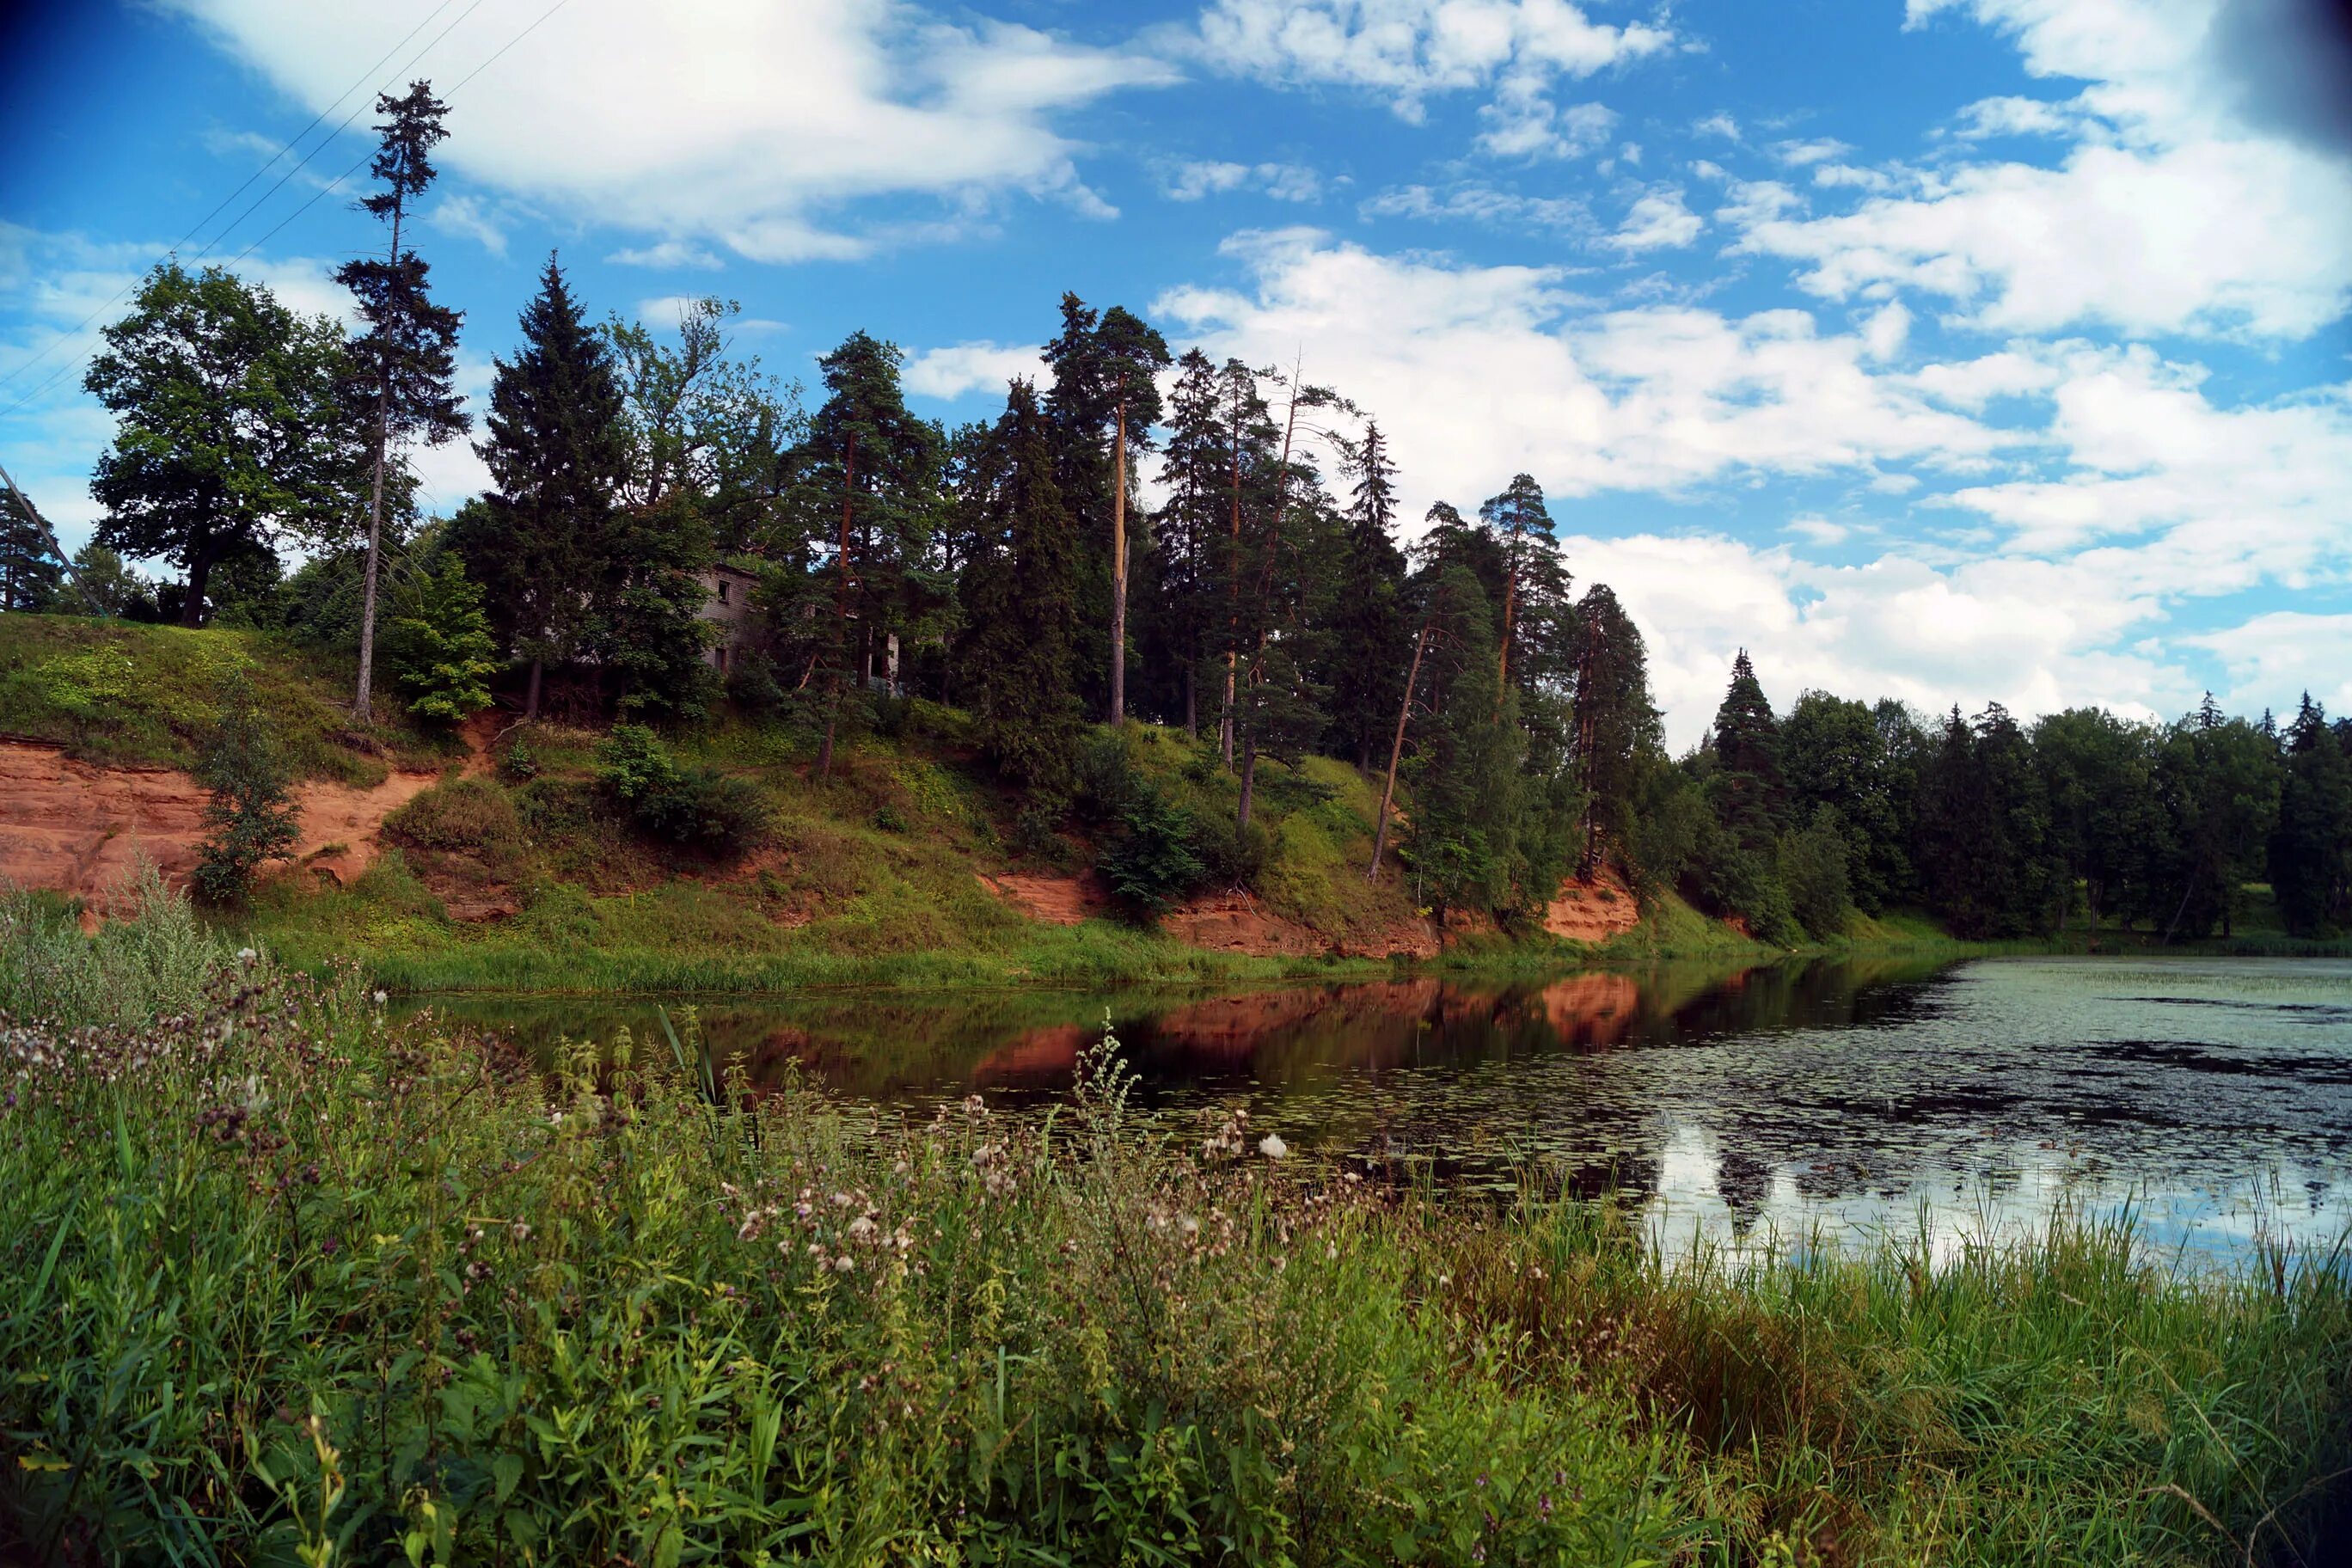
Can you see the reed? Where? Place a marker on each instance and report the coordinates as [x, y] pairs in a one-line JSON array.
[[285, 1281]]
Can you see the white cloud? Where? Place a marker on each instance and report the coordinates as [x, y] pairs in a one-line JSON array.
[[1802, 154], [1471, 202], [1657, 221], [948, 373], [668, 253], [1523, 123], [749, 127], [2013, 116], [1479, 372], [1717, 124], [468, 216], [2170, 211], [2275, 656], [1410, 49], [1189, 182]]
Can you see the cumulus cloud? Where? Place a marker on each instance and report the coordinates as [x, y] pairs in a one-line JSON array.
[[1410, 49], [749, 126], [468, 217], [1469, 201], [2273, 657], [1657, 220], [949, 373]]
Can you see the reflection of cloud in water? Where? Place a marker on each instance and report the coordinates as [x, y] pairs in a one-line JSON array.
[[1705, 1200]]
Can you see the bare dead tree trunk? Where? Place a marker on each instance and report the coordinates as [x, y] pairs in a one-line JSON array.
[[840, 605], [1396, 752], [1118, 573]]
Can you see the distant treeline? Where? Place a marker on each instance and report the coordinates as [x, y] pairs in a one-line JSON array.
[[1010, 567]]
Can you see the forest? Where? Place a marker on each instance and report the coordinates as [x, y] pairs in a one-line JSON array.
[[1141, 536]]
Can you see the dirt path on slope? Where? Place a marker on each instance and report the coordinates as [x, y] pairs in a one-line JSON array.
[[80, 830]]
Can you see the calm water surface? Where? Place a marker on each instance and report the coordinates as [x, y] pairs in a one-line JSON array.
[[2212, 1096]]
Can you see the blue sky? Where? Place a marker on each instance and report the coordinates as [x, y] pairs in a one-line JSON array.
[[1954, 350]]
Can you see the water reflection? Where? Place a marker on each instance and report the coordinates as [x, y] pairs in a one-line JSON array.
[[1758, 1108]]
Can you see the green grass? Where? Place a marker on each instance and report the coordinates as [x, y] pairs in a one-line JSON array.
[[287, 1283], [120, 693]]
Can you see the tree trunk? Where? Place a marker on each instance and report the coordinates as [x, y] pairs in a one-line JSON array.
[[840, 605], [363, 702], [1192, 701], [1249, 776], [1511, 595], [1396, 750], [1118, 573], [1232, 606], [200, 571], [530, 697]]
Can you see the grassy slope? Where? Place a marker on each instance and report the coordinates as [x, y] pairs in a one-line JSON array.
[[119, 693], [870, 877]]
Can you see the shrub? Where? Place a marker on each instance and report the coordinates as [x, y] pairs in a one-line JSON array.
[[466, 816], [1233, 855], [1151, 865], [518, 762], [700, 808], [251, 818], [751, 686], [1813, 869], [441, 645]]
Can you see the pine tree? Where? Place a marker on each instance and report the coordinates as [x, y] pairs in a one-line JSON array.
[[539, 541], [1535, 580], [1192, 474], [1132, 357], [406, 359], [250, 819], [1020, 603], [1617, 725]]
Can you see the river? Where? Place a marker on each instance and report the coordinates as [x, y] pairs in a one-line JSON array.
[[2209, 1099]]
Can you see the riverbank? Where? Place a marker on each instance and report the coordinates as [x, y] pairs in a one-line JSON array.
[[286, 1274]]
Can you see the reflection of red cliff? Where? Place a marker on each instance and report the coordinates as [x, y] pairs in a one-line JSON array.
[[1592, 1009], [1048, 1054]]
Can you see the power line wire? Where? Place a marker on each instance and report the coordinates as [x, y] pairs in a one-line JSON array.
[[196, 227], [495, 55]]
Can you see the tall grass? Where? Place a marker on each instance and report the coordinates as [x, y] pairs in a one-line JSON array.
[[285, 1282]]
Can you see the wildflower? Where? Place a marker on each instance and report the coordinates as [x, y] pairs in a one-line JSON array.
[[246, 955], [519, 1231], [379, 998], [1272, 1146], [844, 1264]]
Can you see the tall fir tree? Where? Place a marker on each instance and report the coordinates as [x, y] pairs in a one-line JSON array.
[[1617, 726], [539, 541], [1022, 604], [1746, 740], [867, 480], [406, 359], [2310, 849], [1370, 639], [1185, 529]]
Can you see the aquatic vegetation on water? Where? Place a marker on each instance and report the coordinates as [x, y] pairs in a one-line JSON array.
[[288, 1278]]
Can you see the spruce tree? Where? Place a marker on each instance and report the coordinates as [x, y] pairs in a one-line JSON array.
[[1371, 640], [30, 571], [441, 644], [539, 541], [406, 359], [1022, 604], [1192, 475], [866, 480], [2310, 850], [1747, 744]]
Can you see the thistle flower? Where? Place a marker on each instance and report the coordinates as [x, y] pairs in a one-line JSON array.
[[1272, 1146]]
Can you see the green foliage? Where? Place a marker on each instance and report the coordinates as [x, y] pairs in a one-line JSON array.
[[1152, 864], [751, 686], [2310, 850], [231, 425], [447, 1308], [457, 813], [441, 644], [251, 818], [1812, 867], [696, 807]]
